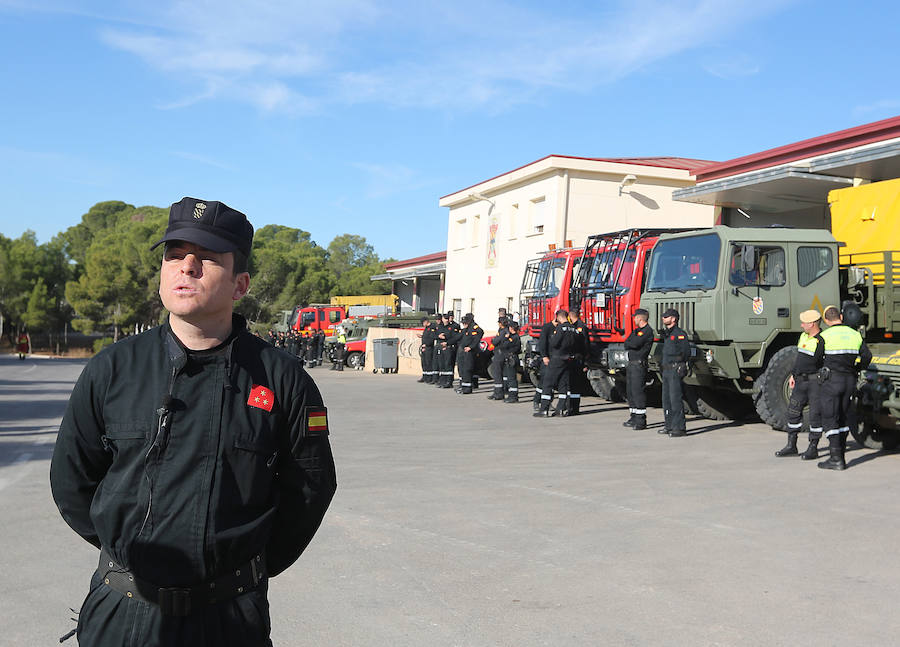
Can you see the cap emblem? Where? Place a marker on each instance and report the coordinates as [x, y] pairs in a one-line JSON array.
[[199, 208]]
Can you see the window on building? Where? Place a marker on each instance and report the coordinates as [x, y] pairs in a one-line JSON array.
[[457, 308], [476, 230], [812, 263], [460, 235], [538, 215], [509, 306], [512, 224], [472, 306]]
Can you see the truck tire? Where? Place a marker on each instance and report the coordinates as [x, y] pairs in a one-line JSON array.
[[871, 436], [605, 387], [355, 359], [533, 377], [771, 392], [706, 402]]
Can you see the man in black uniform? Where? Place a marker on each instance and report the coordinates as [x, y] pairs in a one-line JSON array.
[[467, 341], [576, 366], [804, 385], [427, 351], [448, 352], [320, 346], [510, 347], [562, 344], [311, 352], [638, 345], [497, 359], [845, 354], [675, 356], [194, 456], [543, 348]]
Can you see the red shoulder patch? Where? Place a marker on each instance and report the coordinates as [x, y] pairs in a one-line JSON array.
[[261, 397]]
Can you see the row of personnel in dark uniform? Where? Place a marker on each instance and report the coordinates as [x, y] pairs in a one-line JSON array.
[[562, 346], [309, 349]]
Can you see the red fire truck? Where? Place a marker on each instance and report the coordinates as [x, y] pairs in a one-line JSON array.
[[316, 317], [608, 286]]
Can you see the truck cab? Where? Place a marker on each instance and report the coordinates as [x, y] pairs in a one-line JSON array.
[[313, 318]]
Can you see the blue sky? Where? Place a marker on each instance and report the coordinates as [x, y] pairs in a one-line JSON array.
[[356, 116]]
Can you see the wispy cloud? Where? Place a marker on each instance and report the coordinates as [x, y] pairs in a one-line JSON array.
[[203, 159], [386, 180], [732, 66], [884, 105], [293, 56]]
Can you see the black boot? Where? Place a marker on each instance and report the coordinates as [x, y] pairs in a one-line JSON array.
[[812, 452], [835, 454], [511, 398], [496, 394], [629, 422], [542, 412], [791, 448], [421, 379], [640, 422]]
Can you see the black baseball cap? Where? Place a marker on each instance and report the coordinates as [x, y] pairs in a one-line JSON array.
[[671, 312], [210, 224]]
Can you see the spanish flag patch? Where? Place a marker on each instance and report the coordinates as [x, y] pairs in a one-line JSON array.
[[317, 420]]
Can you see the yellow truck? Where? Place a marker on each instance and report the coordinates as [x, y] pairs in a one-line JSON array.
[[369, 304]]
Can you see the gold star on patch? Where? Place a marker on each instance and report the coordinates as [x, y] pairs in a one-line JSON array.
[[256, 399]]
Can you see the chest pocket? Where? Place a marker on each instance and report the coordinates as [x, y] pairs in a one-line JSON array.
[[253, 459], [127, 442]]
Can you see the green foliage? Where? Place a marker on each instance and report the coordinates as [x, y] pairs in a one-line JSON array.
[[103, 342], [100, 273]]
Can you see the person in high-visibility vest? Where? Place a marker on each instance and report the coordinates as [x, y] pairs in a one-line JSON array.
[[22, 344], [845, 354]]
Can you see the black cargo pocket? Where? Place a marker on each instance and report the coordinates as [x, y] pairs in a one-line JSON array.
[[253, 468], [127, 442]]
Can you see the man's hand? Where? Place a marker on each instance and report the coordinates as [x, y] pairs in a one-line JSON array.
[[466, 349], [791, 382], [546, 361]]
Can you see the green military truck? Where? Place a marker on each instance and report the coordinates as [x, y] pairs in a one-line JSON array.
[[739, 292], [356, 330]]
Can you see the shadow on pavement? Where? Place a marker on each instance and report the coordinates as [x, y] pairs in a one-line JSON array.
[[22, 451]]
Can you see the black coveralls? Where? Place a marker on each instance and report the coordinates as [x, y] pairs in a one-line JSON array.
[[638, 345], [509, 349], [676, 352], [230, 478], [428, 354], [810, 355], [469, 337], [497, 364], [843, 346], [562, 344], [320, 346], [311, 351], [543, 348], [441, 355], [576, 366], [452, 329]]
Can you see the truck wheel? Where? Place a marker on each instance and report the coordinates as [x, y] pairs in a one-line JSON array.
[[771, 393], [533, 377], [355, 359], [605, 387], [871, 436]]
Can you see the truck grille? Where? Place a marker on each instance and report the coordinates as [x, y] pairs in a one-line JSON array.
[[685, 309]]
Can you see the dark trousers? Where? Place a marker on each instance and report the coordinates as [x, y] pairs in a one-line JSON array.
[[806, 392], [446, 366], [499, 375], [428, 364], [511, 378], [556, 378], [466, 363], [339, 357], [635, 387], [310, 356], [673, 406], [109, 619], [573, 390], [834, 399]]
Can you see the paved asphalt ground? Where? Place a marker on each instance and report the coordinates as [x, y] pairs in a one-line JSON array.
[[463, 522]]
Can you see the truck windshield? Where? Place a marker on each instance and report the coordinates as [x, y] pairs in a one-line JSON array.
[[608, 267], [543, 277], [683, 264], [306, 319]]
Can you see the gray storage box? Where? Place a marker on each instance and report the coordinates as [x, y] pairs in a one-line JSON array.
[[384, 354]]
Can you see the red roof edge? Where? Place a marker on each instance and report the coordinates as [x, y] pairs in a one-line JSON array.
[[436, 257], [821, 145], [680, 163]]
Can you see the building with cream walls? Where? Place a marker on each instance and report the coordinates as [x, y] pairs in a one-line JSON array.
[[496, 226]]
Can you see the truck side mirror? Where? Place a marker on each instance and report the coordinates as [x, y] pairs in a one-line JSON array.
[[748, 258]]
